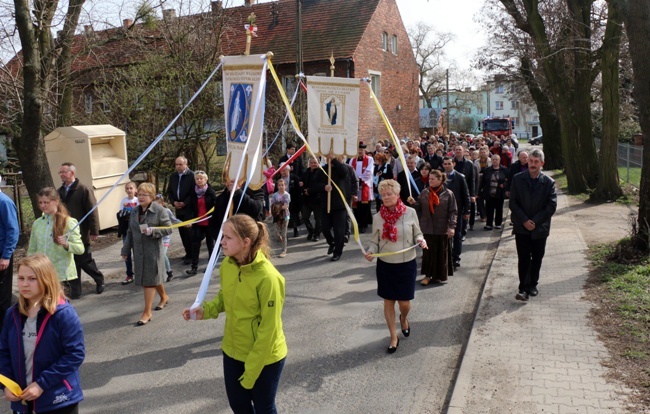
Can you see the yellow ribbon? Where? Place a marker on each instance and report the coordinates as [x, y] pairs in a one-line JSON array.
[[11, 384], [186, 223], [397, 252]]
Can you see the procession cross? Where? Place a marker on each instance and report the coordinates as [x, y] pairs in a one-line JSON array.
[[251, 30]]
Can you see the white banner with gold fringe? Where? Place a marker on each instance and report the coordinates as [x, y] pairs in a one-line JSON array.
[[244, 115], [333, 106]]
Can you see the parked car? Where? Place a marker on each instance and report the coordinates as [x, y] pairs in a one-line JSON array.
[[536, 140]]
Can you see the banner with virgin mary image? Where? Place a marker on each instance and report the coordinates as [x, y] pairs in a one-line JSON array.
[[333, 107], [244, 115]]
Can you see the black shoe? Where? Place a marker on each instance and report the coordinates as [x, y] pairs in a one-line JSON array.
[[406, 331], [330, 249], [362, 229], [295, 232], [522, 296], [335, 258], [99, 289], [456, 264], [392, 349], [471, 228], [463, 238], [170, 276], [75, 295], [192, 271], [315, 238], [487, 228], [346, 238], [310, 234], [533, 292]]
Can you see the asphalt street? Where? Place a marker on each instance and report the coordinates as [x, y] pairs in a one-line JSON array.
[[335, 329]]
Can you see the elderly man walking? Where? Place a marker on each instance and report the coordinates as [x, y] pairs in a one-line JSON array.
[[180, 192], [533, 202], [80, 200], [9, 233]]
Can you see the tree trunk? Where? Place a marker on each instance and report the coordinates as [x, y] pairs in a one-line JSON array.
[[636, 15], [608, 187], [548, 119]]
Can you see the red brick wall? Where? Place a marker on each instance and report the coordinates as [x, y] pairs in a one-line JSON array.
[[399, 77]]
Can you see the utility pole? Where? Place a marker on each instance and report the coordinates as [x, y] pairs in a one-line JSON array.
[[448, 108], [299, 67]]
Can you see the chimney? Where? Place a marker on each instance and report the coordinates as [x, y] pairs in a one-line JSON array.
[[127, 23], [217, 6], [169, 14], [249, 3], [88, 30]]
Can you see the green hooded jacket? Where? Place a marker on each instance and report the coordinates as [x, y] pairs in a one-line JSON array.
[[252, 296]]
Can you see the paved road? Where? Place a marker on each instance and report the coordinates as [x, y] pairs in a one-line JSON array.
[[335, 330]]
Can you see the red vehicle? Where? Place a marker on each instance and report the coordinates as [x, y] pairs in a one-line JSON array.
[[497, 126]]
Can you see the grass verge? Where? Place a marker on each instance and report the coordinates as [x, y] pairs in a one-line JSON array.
[[619, 287]]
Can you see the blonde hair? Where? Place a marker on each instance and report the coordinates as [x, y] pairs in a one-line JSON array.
[[48, 283], [61, 216], [147, 188], [245, 227], [132, 184], [394, 185]]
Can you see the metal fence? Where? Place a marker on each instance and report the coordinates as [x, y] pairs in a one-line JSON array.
[[630, 161]]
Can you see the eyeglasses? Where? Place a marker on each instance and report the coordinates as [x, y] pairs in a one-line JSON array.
[[199, 172], [144, 195]]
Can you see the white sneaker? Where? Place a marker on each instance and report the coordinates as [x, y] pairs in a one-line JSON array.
[[283, 254], [497, 227]]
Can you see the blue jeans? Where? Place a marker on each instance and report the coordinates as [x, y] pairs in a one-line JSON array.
[[259, 400], [128, 261]]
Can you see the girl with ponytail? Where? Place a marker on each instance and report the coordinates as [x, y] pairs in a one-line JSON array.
[[252, 297], [56, 235]]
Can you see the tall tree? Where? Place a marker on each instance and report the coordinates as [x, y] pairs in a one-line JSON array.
[[429, 50], [567, 59], [636, 16], [41, 56], [608, 187]]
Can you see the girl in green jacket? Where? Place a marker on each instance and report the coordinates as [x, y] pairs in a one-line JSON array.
[[252, 297]]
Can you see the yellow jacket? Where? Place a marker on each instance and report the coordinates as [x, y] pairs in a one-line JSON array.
[[252, 296]]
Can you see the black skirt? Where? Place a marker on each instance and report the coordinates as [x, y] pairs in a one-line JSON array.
[[436, 259], [396, 281]]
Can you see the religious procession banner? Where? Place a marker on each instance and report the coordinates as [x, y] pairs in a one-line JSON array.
[[242, 80], [333, 107]]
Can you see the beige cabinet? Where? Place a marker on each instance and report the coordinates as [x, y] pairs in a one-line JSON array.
[[99, 155]]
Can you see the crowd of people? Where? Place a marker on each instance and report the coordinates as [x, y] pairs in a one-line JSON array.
[[431, 202]]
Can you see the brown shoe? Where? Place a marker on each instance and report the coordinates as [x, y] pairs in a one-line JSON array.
[[425, 281]]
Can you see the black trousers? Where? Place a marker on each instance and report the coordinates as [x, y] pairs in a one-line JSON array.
[[186, 239], [458, 239], [334, 228], [362, 214], [294, 211], [6, 285], [530, 253], [472, 214], [70, 409], [494, 206], [307, 210], [198, 234], [85, 262]]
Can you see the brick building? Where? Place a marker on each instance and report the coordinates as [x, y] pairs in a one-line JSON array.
[[366, 37]]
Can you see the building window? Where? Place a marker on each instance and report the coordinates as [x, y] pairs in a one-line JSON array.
[[384, 41], [88, 103], [515, 121], [288, 83], [375, 83], [500, 89], [515, 105], [393, 44], [498, 105], [106, 107]]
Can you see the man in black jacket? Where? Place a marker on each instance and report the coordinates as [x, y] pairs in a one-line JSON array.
[[466, 167], [80, 200], [533, 202], [296, 165], [310, 202], [492, 191], [333, 221], [458, 185], [404, 181], [180, 191], [518, 166]]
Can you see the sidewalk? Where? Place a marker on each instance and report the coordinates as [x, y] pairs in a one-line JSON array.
[[540, 356]]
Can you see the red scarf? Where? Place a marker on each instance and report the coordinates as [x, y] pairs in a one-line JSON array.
[[434, 198], [390, 218]]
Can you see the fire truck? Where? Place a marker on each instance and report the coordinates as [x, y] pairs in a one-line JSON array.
[[497, 126]]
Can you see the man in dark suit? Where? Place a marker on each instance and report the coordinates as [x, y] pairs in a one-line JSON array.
[[466, 167], [179, 192], [311, 202], [458, 185], [296, 166], [404, 181]]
